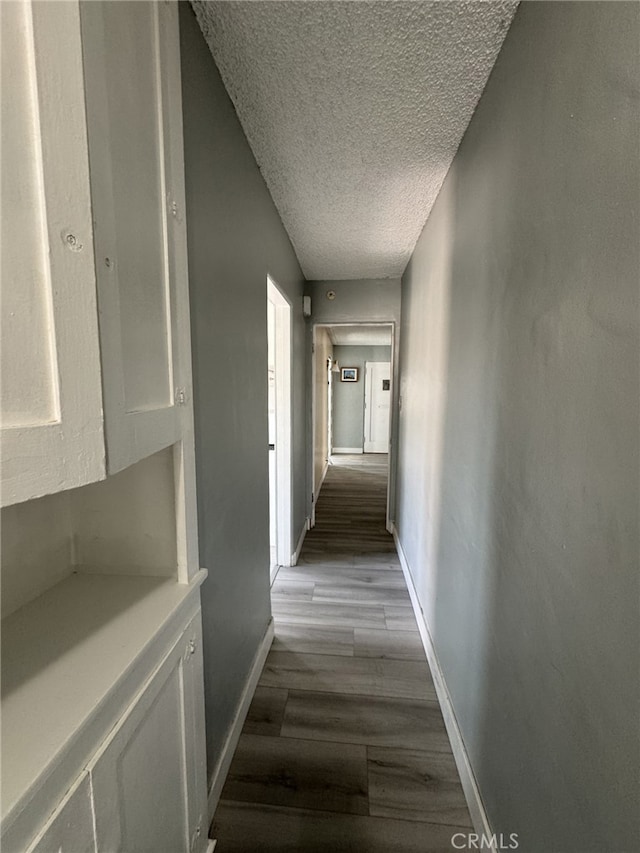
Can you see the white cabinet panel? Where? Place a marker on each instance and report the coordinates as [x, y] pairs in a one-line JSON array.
[[134, 107], [132, 69], [148, 777], [70, 828], [51, 402]]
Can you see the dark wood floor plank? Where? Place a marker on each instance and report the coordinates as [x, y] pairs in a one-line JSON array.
[[336, 674], [400, 618], [292, 590], [249, 828], [345, 575], [420, 786], [299, 773], [313, 640], [335, 615], [266, 711], [371, 720], [315, 556], [398, 645], [360, 594]]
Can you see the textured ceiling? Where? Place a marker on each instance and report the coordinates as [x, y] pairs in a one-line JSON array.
[[360, 335], [354, 111]]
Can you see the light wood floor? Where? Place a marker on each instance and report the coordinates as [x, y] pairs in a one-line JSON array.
[[344, 747]]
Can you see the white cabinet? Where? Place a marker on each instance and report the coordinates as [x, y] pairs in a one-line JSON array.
[[70, 828], [96, 351], [147, 777], [102, 698], [137, 742], [51, 426], [132, 79]]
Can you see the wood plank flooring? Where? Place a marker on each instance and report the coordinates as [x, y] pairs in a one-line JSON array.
[[344, 747]]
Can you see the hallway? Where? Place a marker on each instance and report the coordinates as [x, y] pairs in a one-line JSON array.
[[344, 747]]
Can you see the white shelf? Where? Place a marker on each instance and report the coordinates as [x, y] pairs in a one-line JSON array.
[[72, 659]]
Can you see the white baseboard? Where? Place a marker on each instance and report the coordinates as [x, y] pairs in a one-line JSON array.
[[467, 777], [303, 533], [233, 735], [273, 574], [347, 450]]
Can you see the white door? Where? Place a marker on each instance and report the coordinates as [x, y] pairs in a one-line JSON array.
[[279, 411], [330, 363], [271, 378], [377, 403]]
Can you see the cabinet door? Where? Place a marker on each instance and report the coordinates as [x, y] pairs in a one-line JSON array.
[[132, 69], [51, 399], [70, 828], [148, 779]]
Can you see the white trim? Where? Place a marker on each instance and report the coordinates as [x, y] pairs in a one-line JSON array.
[[347, 450], [467, 777], [324, 474], [211, 845], [233, 735], [273, 573], [303, 533]]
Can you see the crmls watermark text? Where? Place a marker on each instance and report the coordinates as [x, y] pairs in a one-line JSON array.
[[473, 841]]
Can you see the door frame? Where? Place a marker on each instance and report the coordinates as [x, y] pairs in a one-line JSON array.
[[394, 410], [283, 364]]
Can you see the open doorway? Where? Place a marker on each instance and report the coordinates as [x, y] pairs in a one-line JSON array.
[[279, 426], [352, 402]]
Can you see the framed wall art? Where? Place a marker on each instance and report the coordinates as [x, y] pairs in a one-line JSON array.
[[349, 374]]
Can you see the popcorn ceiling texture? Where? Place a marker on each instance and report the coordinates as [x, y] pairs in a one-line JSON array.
[[354, 112]]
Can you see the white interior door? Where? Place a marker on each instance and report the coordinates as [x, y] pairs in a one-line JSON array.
[[271, 379], [377, 403], [330, 363], [279, 437]]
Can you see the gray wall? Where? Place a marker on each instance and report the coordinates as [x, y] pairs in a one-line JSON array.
[[365, 300], [235, 239], [520, 412], [348, 397], [372, 300]]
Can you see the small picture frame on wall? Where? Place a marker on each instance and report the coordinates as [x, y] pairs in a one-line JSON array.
[[349, 374]]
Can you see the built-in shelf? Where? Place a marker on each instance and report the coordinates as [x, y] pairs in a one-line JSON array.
[[125, 524], [72, 660]]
